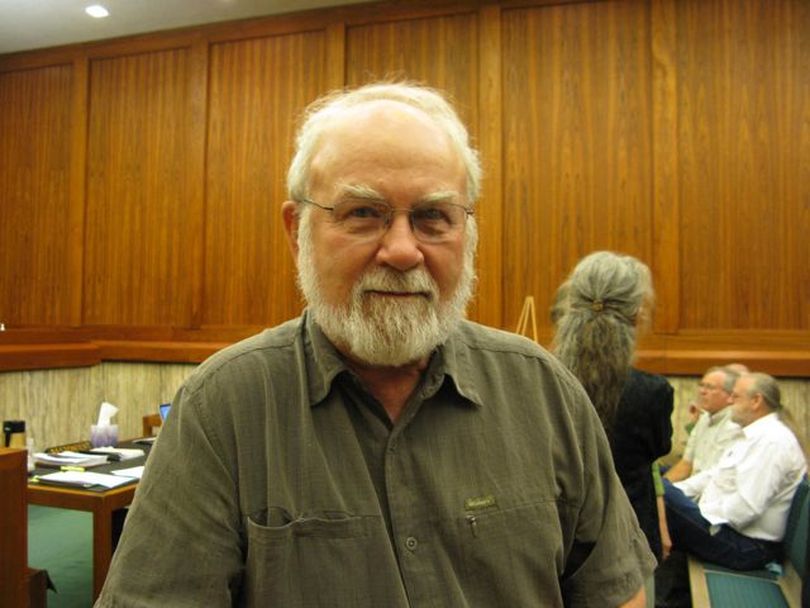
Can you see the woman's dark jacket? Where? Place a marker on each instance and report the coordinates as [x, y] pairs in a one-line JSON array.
[[642, 433]]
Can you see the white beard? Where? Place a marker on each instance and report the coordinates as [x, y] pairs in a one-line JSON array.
[[387, 331]]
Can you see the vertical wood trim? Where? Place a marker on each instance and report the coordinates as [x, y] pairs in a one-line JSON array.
[[77, 194], [335, 55], [198, 137], [666, 201], [490, 129], [13, 528]]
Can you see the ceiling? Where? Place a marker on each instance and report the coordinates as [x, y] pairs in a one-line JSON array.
[[33, 24]]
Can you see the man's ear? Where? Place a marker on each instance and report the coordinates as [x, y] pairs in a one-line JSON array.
[[289, 213]]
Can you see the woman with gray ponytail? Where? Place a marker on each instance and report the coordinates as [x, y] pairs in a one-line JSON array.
[[598, 311]]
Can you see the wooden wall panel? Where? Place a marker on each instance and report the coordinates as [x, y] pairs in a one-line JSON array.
[[744, 136], [35, 128], [141, 178], [258, 89], [440, 51], [142, 212], [577, 142]]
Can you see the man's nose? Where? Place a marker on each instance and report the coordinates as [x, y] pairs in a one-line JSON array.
[[399, 247]]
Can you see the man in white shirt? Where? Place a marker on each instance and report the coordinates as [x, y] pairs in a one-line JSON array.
[[715, 430], [735, 513]]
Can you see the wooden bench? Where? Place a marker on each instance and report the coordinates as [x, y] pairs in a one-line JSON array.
[[717, 587]]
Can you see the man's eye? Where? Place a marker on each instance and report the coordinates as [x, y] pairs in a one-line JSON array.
[[431, 214], [356, 211], [365, 212]]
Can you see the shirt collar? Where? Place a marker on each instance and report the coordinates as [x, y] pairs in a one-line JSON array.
[[325, 363], [760, 426], [720, 416]]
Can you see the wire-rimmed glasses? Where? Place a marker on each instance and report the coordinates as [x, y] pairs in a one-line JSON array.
[[364, 219]]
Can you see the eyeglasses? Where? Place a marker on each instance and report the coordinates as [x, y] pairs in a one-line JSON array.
[[434, 222]]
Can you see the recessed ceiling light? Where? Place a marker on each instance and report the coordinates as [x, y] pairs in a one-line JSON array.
[[97, 11]]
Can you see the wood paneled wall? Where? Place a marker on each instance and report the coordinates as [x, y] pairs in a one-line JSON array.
[[141, 178]]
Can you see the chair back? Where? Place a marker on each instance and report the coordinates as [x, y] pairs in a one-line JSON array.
[[797, 533]]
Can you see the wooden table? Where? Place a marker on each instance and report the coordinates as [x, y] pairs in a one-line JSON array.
[[101, 504]]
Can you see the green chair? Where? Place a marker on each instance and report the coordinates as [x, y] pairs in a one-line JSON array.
[[719, 587]]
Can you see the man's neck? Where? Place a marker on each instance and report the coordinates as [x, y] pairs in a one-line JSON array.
[[391, 386]]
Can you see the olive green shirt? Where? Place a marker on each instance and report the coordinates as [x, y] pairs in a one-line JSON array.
[[277, 480]]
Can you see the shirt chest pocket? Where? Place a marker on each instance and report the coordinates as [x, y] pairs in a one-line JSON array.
[[317, 559], [512, 553]]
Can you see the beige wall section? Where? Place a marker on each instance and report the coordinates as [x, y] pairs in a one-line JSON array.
[[59, 405]]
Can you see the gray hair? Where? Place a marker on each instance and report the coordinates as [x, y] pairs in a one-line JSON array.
[[730, 376], [606, 296], [321, 113], [766, 386]]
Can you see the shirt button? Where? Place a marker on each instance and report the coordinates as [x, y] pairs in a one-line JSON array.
[[411, 543]]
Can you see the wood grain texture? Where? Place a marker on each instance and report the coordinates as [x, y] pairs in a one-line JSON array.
[[13, 528], [140, 178], [143, 213], [744, 145], [36, 284], [576, 167], [666, 258], [258, 88], [488, 306]]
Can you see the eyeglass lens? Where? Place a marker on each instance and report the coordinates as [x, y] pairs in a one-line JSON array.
[[432, 222]]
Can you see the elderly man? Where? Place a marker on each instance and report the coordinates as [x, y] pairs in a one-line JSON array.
[[715, 430], [735, 513], [380, 450]]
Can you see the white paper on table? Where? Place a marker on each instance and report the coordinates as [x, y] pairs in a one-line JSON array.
[[86, 479], [132, 472], [124, 453]]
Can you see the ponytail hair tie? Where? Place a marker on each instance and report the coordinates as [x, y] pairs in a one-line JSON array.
[[597, 306]]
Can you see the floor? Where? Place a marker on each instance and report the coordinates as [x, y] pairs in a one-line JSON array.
[[61, 542]]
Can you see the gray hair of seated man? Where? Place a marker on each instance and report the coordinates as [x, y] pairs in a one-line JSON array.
[[730, 376], [766, 386]]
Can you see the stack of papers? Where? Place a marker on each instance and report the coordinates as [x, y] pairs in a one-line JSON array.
[[85, 480], [68, 458], [119, 453]]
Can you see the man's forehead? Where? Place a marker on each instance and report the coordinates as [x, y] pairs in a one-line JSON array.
[[365, 191], [742, 385], [715, 376]]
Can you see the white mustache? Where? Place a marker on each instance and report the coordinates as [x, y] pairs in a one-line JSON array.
[[414, 281]]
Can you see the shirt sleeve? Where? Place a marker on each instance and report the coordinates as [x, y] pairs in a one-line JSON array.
[[181, 545], [617, 558], [694, 485], [657, 481]]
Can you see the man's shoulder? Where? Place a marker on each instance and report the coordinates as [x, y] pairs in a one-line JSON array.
[[495, 349], [780, 436], [481, 338], [251, 351], [649, 382]]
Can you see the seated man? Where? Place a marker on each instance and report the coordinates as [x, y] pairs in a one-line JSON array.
[[714, 431], [735, 513]]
